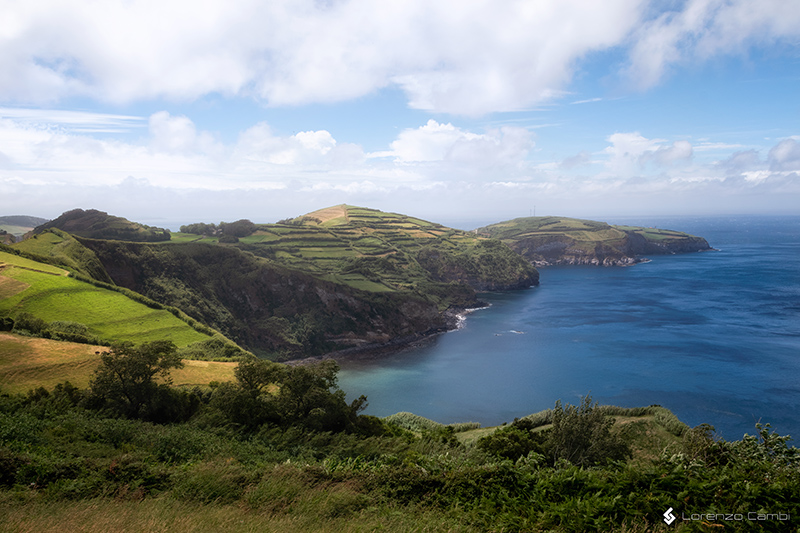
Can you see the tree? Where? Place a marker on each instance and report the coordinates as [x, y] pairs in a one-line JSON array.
[[250, 402], [240, 228], [125, 381]]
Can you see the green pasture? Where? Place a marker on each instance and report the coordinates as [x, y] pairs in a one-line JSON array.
[[17, 261], [179, 238], [654, 234], [42, 244], [109, 315]]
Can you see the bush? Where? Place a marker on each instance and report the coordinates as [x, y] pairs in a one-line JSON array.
[[582, 435], [27, 323], [514, 442]]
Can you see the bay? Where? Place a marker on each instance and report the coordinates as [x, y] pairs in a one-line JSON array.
[[713, 336]]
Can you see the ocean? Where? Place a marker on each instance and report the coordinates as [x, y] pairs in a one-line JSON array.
[[713, 336]]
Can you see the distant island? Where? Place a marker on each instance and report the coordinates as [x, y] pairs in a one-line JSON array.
[[570, 241]]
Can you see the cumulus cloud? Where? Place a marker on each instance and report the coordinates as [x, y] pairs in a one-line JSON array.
[[178, 134], [579, 159], [785, 155], [629, 153], [701, 29], [264, 175], [676, 152], [741, 161], [448, 56], [444, 142]]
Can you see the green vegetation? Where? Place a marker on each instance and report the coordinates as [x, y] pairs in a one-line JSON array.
[[373, 250], [42, 300], [96, 224], [279, 449], [63, 249], [560, 240], [338, 278]]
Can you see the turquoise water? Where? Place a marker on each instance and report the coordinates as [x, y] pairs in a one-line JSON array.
[[714, 336]]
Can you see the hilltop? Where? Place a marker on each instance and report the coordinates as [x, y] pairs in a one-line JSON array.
[[96, 224], [561, 240]]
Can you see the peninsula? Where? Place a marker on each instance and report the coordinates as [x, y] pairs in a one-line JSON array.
[[570, 241]]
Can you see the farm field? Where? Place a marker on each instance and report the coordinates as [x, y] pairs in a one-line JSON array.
[[47, 293], [27, 363]]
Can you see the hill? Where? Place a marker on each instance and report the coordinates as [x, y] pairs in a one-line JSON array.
[[45, 300], [16, 226], [96, 224], [560, 240], [63, 249], [340, 278]]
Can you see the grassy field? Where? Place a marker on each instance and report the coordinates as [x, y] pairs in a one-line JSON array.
[[45, 292], [27, 363], [311, 510], [334, 243]]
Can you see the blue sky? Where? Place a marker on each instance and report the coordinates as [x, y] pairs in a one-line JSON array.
[[462, 112]]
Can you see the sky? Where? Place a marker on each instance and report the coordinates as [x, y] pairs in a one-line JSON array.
[[463, 112]]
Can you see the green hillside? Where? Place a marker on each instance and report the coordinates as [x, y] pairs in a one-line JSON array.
[[33, 292], [561, 240], [96, 224], [377, 251], [63, 249], [339, 278]]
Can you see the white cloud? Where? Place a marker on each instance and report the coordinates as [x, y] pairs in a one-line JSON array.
[[435, 168], [508, 145], [179, 134], [76, 121], [674, 153], [447, 56], [785, 155], [702, 29], [455, 56], [629, 153]]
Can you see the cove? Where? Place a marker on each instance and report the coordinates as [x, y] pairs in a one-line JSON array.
[[713, 336]]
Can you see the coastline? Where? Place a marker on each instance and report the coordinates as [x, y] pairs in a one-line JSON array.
[[455, 320]]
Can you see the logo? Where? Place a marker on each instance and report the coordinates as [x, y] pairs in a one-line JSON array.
[[669, 517]]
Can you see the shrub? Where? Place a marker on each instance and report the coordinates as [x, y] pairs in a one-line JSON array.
[[582, 435]]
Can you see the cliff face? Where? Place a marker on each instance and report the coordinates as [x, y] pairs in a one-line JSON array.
[[264, 307], [564, 241]]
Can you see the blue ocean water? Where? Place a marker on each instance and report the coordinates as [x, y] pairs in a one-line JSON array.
[[713, 336]]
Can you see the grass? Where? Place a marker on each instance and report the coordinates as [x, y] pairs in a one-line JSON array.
[[27, 363], [167, 514], [8, 259], [329, 240], [201, 373], [109, 315]]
